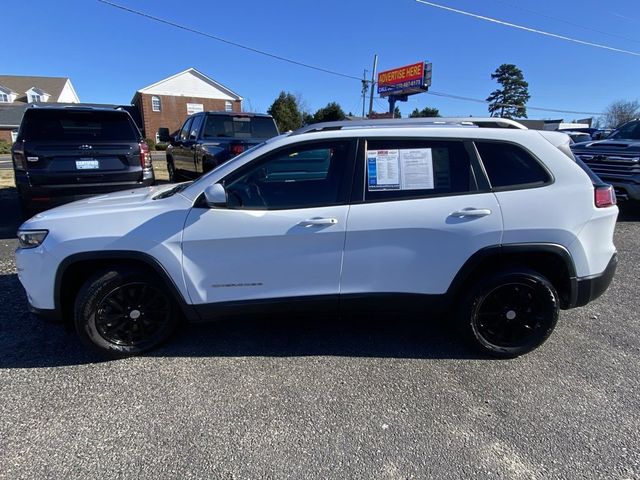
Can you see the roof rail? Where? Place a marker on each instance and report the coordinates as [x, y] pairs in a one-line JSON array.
[[412, 122]]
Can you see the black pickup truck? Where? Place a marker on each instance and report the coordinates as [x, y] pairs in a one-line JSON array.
[[616, 159], [208, 139]]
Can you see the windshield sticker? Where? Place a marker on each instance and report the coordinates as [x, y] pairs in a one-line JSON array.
[[404, 169]]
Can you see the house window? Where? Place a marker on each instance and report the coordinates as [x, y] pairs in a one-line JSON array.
[[228, 106], [4, 98], [34, 97], [155, 104]]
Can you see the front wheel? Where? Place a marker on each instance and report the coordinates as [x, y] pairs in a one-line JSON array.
[[171, 170], [509, 313], [122, 312]]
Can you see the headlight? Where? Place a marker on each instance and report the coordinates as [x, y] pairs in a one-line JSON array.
[[31, 238]]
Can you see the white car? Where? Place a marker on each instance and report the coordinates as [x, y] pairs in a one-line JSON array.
[[494, 226]]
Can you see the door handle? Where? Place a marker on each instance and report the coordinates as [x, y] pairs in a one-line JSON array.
[[471, 212], [318, 222]]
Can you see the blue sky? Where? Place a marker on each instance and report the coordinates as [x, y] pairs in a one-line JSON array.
[[109, 54]]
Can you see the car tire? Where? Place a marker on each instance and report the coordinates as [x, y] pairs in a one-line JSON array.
[[121, 312], [171, 169], [509, 313]]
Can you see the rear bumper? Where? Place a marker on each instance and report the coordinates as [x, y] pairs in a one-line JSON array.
[[589, 288], [47, 196]]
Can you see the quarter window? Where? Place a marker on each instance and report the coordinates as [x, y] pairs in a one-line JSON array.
[[407, 169], [156, 106], [303, 177], [509, 165]]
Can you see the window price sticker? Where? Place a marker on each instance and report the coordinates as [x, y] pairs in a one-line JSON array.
[[404, 169]]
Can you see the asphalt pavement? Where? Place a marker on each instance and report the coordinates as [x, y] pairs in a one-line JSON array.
[[325, 398]]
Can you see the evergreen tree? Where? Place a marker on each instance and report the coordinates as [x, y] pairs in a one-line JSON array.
[[425, 112], [331, 113], [510, 100], [285, 112]]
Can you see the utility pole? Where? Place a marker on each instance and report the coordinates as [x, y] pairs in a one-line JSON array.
[[373, 82], [365, 86]]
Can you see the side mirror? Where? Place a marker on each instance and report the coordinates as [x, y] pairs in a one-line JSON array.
[[215, 195]]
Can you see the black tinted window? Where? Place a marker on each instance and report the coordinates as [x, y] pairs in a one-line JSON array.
[[397, 169], [195, 127], [239, 127], [184, 133], [300, 177], [75, 126], [508, 165], [630, 131]]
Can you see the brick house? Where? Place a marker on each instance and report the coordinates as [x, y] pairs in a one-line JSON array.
[[17, 92], [169, 102]]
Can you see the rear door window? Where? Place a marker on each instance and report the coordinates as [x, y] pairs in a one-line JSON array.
[[508, 166], [78, 126]]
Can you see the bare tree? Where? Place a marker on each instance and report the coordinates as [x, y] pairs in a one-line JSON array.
[[620, 112]]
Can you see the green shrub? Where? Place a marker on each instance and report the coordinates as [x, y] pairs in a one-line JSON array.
[[5, 147], [161, 147], [151, 143]]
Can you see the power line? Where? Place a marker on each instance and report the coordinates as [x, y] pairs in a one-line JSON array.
[[295, 62], [544, 15], [477, 100], [527, 29], [485, 102], [229, 42]]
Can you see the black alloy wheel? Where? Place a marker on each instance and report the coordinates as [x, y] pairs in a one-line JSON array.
[[511, 313], [133, 314], [122, 311]]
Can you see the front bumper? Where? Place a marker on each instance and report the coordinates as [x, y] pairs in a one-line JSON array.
[[589, 288]]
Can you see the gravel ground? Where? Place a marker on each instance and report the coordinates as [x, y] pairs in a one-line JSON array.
[[360, 398]]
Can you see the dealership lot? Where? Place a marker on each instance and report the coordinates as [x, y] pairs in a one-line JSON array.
[[315, 398]]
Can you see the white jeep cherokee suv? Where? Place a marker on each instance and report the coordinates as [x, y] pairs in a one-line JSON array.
[[495, 226]]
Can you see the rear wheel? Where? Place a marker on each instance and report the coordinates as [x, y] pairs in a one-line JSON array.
[[509, 313], [122, 312]]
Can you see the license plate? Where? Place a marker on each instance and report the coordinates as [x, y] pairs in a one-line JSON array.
[[86, 164]]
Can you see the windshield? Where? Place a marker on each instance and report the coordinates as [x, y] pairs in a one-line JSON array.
[[629, 131]]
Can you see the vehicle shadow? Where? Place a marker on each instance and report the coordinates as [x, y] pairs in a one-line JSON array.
[[28, 342], [10, 212], [629, 212]]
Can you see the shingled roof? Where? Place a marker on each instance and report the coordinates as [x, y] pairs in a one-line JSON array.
[[20, 84]]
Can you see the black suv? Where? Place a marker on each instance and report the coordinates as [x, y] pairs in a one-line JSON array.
[[64, 154], [616, 159], [208, 139]]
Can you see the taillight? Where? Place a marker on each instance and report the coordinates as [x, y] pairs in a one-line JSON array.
[[605, 196], [236, 149], [145, 156], [18, 161]]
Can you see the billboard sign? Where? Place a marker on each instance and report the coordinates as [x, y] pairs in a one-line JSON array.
[[406, 80]]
